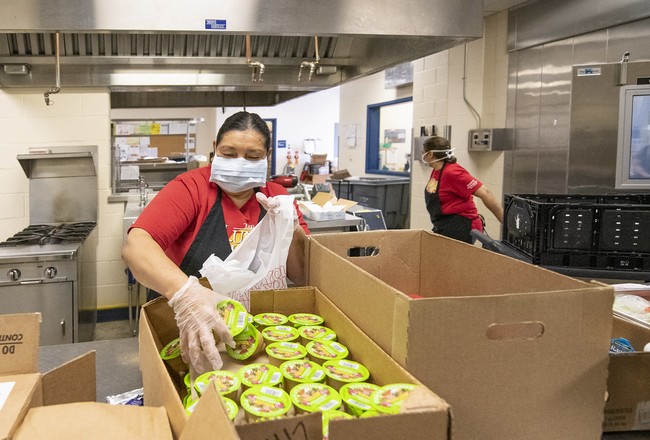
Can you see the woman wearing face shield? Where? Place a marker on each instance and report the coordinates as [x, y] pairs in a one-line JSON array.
[[449, 193], [205, 211]]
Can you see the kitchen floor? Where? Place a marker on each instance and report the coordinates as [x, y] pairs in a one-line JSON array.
[[113, 330]]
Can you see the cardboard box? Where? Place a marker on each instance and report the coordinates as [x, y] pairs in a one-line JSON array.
[[33, 405], [325, 206], [628, 383], [424, 416], [519, 352], [318, 159]]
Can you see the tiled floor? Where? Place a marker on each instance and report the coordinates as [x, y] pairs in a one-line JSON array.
[[113, 330]]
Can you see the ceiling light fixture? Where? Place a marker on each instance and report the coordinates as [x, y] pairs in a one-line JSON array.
[[16, 69]]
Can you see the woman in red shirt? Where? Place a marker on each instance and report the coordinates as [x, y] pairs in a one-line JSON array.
[[203, 212], [450, 200]]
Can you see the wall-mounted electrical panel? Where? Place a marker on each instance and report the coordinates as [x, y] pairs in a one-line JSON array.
[[491, 139]]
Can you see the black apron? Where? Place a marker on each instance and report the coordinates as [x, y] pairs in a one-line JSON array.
[[212, 238], [450, 225]]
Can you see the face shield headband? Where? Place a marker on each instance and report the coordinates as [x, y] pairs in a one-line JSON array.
[[448, 155]]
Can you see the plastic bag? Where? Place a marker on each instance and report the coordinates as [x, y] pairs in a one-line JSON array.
[[260, 261], [633, 305], [134, 397]]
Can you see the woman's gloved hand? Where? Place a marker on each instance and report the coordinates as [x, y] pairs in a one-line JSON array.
[[197, 317], [272, 206]]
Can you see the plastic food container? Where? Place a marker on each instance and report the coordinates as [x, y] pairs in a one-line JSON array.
[[301, 371], [280, 352], [231, 408], [332, 415], [248, 343], [261, 402], [300, 319], [344, 371], [171, 354], [357, 397], [389, 398], [321, 351], [310, 333], [234, 315], [312, 397], [226, 382], [189, 404], [263, 320], [260, 374], [279, 333]]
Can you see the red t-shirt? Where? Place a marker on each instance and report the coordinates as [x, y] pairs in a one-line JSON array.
[[457, 192], [175, 215]]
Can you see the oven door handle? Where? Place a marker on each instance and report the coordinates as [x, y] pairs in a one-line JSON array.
[[26, 282]]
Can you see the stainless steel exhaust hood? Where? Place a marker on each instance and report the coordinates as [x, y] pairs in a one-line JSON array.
[[194, 53]]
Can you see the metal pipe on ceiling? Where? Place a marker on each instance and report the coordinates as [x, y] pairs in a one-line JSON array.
[[57, 87]]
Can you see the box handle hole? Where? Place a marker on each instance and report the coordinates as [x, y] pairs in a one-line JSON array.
[[363, 251], [526, 330]]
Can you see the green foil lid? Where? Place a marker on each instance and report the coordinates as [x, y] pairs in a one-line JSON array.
[[300, 319], [266, 319], [279, 333], [358, 396], [312, 397], [327, 350], [286, 351], [171, 350], [389, 398], [303, 370], [260, 374], [317, 333], [247, 344], [234, 315], [344, 370], [265, 402], [225, 382]]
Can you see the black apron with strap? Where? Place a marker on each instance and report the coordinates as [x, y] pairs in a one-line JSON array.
[[450, 225], [212, 238]]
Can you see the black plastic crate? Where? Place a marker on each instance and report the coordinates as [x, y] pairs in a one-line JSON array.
[[601, 231]]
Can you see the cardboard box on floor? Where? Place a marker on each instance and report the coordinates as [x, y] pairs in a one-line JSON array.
[[519, 352], [628, 383], [425, 416], [60, 404]]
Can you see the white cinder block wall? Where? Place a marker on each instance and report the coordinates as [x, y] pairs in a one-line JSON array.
[[81, 117], [438, 100]]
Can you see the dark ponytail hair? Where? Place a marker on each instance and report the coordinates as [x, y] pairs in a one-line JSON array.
[[439, 143], [243, 121]]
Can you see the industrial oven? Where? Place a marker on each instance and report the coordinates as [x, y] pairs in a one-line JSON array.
[[48, 266]]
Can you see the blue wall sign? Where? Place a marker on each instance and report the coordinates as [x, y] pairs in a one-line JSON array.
[[215, 24]]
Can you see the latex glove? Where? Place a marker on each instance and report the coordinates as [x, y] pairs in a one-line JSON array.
[[197, 317], [272, 206]]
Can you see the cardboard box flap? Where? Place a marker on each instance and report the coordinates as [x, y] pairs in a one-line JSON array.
[[299, 427], [205, 421], [94, 420], [637, 334], [150, 342], [23, 392], [322, 198], [74, 381], [19, 341]]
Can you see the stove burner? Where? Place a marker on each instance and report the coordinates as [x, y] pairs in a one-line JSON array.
[[50, 234]]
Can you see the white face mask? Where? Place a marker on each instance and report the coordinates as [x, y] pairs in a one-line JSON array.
[[238, 174]]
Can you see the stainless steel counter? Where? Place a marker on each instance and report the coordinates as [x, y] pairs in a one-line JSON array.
[[118, 369]]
